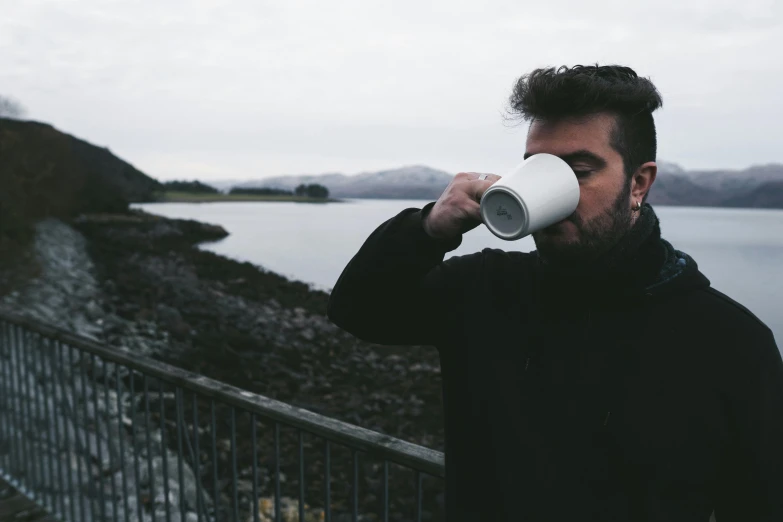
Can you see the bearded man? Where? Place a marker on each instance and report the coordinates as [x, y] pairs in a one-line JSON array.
[[600, 377]]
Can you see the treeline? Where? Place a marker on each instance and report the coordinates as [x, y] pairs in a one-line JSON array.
[[313, 190], [12, 109], [249, 191], [194, 187]]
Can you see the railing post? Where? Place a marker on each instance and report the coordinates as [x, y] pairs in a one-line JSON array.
[[254, 469], [180, 469], [98, 445], [121, 438], [74, 414], [107, 407], [164, 450], [6, 428], [147, 421], [213, 424], [34, 477], [136, 449], [235, 493]]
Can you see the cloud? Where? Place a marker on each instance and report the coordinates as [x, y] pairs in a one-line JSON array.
[[259, 88]]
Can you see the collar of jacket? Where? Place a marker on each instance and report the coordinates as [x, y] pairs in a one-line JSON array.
[[625, 271]]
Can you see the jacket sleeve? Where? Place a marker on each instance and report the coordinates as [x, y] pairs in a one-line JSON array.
[[397, 290], [752, 490]]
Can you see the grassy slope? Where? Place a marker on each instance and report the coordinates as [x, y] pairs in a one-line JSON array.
[[187, 197]]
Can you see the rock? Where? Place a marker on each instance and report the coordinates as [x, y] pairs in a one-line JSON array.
[[289, 511], [167, 314], [93, 310]]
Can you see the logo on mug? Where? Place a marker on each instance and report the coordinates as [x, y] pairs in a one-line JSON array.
[[503, 212]]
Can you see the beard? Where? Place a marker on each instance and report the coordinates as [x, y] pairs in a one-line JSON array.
[[595, 237]]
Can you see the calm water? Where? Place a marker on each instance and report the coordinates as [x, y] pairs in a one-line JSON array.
[[740, 251]]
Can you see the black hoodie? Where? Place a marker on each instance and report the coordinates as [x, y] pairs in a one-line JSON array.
[[629, 391]]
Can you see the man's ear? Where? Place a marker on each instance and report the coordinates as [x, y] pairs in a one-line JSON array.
[[642, 181]]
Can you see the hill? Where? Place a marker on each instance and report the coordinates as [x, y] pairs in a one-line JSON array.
[[759, 186], [756, 187], [733, 180], [413, 182], [765, 195], [45, 172], [48, 173]]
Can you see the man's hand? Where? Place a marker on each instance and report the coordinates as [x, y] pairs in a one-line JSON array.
[[458, 209]]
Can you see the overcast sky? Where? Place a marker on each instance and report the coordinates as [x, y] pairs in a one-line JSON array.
[[249, 89]]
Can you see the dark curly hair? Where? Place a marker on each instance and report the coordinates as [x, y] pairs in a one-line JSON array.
[[551, 94]]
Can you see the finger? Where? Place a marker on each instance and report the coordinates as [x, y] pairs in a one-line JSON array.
[[473, 176], [478, 187], [482, 176], [473, 212]]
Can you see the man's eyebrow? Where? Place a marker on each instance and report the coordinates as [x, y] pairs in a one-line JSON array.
[[580, 155]]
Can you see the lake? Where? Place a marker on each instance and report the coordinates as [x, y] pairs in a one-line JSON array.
[[739, 250]]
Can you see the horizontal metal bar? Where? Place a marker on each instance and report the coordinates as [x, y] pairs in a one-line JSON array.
[[399, 451]]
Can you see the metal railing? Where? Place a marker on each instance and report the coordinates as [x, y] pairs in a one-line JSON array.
[[94, 433]]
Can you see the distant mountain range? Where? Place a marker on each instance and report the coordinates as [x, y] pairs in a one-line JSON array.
[[759, 186], [416, 182], [755, 187]]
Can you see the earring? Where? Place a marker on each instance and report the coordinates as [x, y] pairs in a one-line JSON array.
[[638, 206]]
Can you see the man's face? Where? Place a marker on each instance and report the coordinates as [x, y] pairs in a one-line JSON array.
[[604, 212]]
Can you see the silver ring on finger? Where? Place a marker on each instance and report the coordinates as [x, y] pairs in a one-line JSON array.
[[482, 177]]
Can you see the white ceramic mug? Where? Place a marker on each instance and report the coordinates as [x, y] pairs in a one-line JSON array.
[[539, 192]]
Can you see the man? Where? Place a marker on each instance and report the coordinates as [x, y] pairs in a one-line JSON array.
[[600, 377]]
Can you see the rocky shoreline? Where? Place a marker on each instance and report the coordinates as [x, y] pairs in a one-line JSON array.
[[137, 281], [255, 329]]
